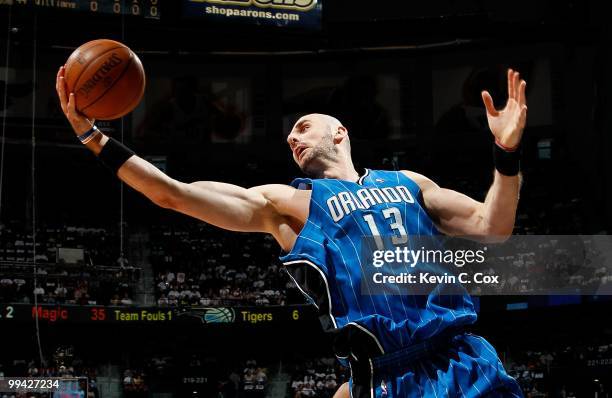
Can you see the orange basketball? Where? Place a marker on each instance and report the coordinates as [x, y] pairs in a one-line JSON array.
[[106, 77]]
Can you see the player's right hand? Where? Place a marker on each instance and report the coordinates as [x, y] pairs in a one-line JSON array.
[[80, 124], [507, 125]]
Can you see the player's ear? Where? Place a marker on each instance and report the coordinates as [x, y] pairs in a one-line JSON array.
[[340, 134]]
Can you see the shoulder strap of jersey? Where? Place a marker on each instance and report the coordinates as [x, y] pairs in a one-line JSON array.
[[398, 177], [301, 183]]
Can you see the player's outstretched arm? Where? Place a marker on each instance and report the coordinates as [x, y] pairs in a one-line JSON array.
[[258, 209], [493, 219], [231, 207], [456, 214]]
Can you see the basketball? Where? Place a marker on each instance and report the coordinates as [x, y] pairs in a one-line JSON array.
[[106, 77]]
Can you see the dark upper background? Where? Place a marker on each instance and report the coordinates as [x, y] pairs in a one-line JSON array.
[[404, 77]]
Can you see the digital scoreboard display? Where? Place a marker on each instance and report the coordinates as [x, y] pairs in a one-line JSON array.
[[154, 315], [141, 8]]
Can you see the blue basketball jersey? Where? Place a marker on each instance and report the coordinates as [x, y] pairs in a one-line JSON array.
[[327, 264]]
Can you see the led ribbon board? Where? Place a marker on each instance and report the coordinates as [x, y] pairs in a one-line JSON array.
[[140, 8]]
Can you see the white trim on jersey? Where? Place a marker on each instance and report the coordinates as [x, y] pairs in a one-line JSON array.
[[312, 301], [371, 378], [360, 180], [324, 280], [382, 350]]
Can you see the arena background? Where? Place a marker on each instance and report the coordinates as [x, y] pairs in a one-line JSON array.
[[222, 93]]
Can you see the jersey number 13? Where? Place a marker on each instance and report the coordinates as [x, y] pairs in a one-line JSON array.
[[393, 215]]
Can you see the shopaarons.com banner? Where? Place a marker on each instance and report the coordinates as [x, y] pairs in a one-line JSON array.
[[283, 13]]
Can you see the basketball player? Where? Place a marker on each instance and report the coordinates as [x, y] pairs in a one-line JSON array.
[[397, 346]]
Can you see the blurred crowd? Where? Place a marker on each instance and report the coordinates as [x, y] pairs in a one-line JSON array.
[[134, 383], [196, 376], [65, 265], [199, 264], [547, 265], [558, 371], [317, 378]]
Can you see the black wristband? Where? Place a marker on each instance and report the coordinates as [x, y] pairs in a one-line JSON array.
[[507, 163], [114, 154]]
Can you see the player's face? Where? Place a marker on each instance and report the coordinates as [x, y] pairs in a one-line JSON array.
[[311, 143]]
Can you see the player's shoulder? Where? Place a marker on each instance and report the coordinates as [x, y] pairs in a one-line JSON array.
[[413, 175], [422, 181], [284, 196], [275, 190], [287, 200]]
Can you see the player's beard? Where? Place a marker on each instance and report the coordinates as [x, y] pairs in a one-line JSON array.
[[318, 156]]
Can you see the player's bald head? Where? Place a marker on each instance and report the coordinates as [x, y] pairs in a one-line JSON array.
[[332, 124], [331, 121]]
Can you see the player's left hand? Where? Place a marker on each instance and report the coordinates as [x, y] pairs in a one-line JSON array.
[[79, 122], [507, 124]]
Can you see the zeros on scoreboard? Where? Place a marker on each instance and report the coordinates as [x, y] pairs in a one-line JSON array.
[[146, 8]]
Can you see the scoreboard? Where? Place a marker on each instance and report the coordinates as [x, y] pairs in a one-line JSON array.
[[141, 8], [53, 314]]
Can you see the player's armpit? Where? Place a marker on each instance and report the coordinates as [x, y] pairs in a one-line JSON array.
[[287, 200], [343, 391], [291, 212]]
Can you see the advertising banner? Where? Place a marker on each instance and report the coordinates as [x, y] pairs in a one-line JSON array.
[[283, 13]]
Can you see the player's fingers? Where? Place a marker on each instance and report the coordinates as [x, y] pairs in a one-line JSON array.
[[61, 93], [523, 117], [60, 74], [522, 98], [488, 102], [57, 77], [72, 112], [510, 83], [515, 84]]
